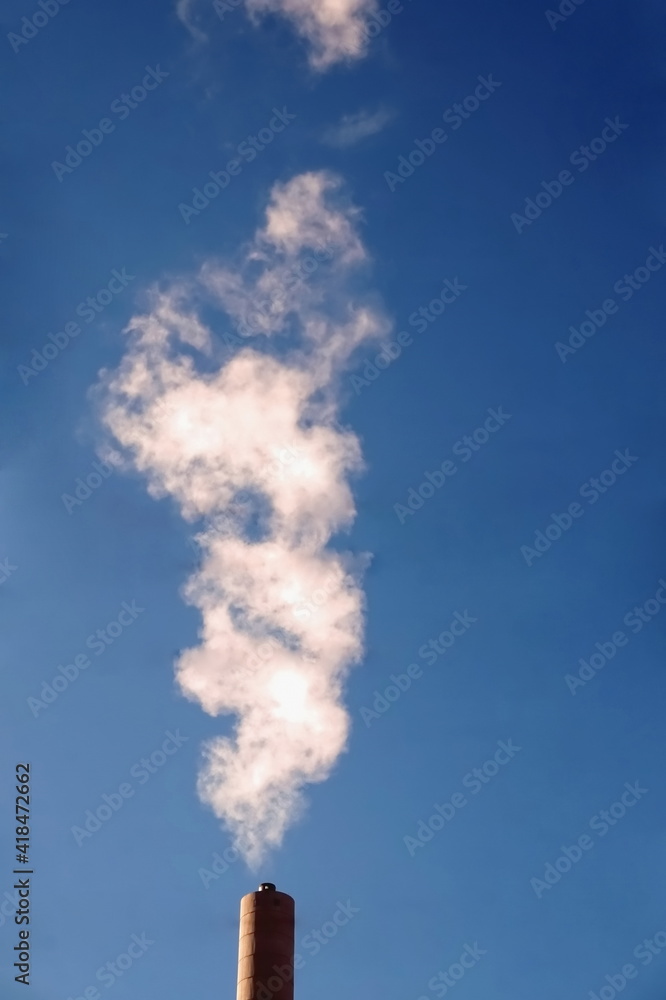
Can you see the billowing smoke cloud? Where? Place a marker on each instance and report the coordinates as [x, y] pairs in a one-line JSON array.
[[252, 451], [335, 29]]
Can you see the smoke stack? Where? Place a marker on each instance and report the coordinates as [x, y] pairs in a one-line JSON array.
[[266, 945]]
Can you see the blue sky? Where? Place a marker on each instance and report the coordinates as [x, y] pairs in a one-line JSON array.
[[528, 545]]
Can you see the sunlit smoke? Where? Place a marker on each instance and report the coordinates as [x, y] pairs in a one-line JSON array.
[[253, 453]]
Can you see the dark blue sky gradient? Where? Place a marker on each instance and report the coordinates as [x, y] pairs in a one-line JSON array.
[[460, 552]]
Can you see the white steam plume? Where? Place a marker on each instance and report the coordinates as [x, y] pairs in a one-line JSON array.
[[254, 451]]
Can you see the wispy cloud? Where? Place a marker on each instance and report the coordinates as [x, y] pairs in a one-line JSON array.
[[352, 128], [336, 30], [185, 12], [213, 437]]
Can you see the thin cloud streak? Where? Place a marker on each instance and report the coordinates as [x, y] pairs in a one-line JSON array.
[[353, 128], [185, 13]]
